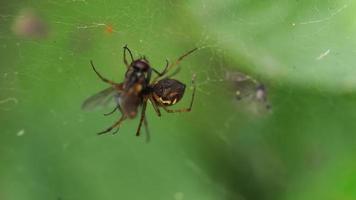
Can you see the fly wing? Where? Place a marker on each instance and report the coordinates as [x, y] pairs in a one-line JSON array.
[[102, 98]]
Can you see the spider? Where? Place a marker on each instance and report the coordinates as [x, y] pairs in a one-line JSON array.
[[137, 89]]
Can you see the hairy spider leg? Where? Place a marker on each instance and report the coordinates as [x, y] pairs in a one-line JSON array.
[[191, 102], [125, 60]]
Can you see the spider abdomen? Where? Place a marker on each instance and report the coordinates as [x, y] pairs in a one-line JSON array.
[[168, 92]]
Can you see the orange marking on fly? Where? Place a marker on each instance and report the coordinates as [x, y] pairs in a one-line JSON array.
[[138, 88]]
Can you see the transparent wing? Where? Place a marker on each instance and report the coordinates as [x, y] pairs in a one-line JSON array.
[[100, 99]]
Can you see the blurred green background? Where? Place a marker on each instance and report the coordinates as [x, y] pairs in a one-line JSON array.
[[303, 148]]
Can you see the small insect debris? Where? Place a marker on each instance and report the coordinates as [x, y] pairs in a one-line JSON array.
[[20, 132], [248, 88]]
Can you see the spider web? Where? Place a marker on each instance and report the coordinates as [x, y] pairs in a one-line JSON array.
[[274, 43], [89, 27]]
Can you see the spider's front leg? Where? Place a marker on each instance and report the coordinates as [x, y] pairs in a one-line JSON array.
[[169, 67], [160, 74], [143, 112]]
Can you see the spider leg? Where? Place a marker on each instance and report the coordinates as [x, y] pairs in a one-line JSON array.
[[174, 73], [122, 118], [125, 60], [156, 108], [180, 59], [160, 74], [142, 117], [145, 123], [101, 77], [149, 73], [191, 102], [166, 70]]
